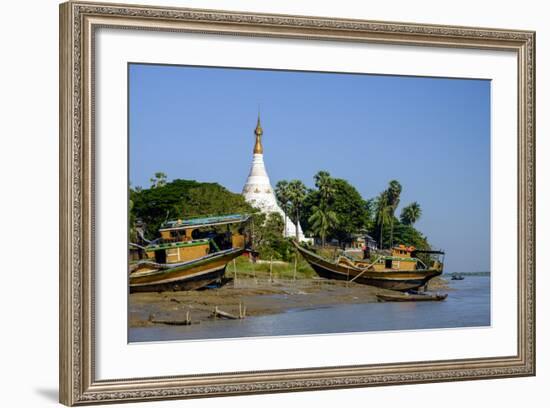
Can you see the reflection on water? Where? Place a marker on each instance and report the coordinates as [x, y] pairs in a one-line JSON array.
[[467, 306]]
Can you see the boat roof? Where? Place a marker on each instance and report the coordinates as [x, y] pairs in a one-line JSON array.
[[205, 221], [429, 251]]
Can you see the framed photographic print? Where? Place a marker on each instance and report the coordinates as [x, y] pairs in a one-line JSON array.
[[256, 203]]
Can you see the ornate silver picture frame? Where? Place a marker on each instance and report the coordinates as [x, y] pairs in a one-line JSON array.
[[78, 381]]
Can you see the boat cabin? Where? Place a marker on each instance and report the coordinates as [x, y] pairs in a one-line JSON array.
[[400, 258], [403, 258], [185, 240]]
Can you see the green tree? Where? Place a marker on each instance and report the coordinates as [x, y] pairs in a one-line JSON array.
[[322, 221], [184, 199], [133, 237], [326, 187], [212, 199], [311, 200], [369, 209], [394, 194], [383, 215], [158, 180], [409, 236], [411, 213], [268, 237], [282, 192], [297, 195], [351, 210]]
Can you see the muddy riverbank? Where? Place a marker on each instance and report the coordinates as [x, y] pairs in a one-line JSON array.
[[258, 296]]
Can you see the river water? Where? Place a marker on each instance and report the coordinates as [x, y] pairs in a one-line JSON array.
[[468, 305]]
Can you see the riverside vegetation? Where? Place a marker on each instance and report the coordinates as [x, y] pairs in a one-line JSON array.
[[334, 212]]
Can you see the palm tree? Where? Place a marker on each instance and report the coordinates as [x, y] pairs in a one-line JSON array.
[[297, 195], [158, 180], [322, 220], [325, 185], [411, 213], [393, 193], [132, 221], [282, 193], [383, 213]]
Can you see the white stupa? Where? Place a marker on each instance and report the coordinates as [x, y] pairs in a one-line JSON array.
[[258, 191]]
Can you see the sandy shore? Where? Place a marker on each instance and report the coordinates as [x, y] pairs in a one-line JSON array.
[[259, 296]]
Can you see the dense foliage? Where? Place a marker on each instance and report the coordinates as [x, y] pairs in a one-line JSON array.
[[182, 199], [390, 231], [351, 212], [333, 210], [406, 235], [268, 239]]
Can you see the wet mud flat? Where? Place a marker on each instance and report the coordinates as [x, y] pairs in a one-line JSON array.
[[246, 297]]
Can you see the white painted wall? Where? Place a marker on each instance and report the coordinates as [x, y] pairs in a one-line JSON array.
[[28, 165]]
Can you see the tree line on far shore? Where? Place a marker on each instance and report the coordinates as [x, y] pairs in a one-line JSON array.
[[334, 211]]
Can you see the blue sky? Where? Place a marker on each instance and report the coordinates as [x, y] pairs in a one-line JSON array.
[[431, 134]]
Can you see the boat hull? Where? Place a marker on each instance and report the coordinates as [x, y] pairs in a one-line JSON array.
[[186, 276], [411, 298], [399, 280]]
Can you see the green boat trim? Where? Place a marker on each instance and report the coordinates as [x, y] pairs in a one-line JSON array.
[[170, 268], [204, 222], [396, 258], [383, 258], [173, 245]]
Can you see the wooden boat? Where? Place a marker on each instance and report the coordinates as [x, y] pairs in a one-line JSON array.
[[411, 297], [189, 255], [400, 271]]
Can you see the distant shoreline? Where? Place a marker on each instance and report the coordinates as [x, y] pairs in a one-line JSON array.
[[467, 273]]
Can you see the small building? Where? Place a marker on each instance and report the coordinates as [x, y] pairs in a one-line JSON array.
[[360, 240]]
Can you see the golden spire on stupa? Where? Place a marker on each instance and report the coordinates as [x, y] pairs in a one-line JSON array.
[[258, 148]]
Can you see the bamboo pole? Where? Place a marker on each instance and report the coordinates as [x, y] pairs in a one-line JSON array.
[[235, 270], [271, 269], [221, 313], [295, 266], [242, 311]]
